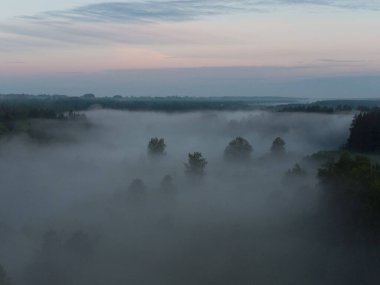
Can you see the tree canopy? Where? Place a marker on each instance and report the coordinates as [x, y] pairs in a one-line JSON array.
[[278, 146], [167, 188], [365, 132], [352, 191], [296, 171], [238, 149], [156, 146], [137, 192], [196, 164]]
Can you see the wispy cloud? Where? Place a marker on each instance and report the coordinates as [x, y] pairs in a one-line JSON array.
[[183, 10], [117, 21], [111, 22], [144, 11], [344, 4]]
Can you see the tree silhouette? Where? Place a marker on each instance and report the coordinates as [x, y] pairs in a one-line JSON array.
[[352, 192], [136, 192], [80, 243], [296, 171], [278, 146], [238, 149], [196, 164], [167, 188], [365, 132], [156, 146], [4, 279]]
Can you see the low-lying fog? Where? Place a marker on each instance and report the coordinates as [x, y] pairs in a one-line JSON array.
[[65, 217]]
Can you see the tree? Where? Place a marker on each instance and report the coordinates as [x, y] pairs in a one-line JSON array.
[[352, 192], [88, 96], [167, 194], [278, 146], [365, 132], [50, 266], [296, 171], [136, 192], [4, 279], [238, 149], [156, 146], [80, 243], [196, 164], [167, 188]]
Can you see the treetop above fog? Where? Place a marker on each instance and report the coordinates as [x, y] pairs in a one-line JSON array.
[[156, 146], [238, 149], [278, 146], [196, 164]]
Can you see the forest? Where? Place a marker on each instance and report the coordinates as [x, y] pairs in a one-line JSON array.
[[194, 191]]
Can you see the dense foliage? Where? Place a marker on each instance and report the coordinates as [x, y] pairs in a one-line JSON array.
[[365, 132], [331, 106], [62, 103], [15, 115], [156, 146], [238, 149], [352, 192], [196, 164], [278, 146], [306, 108], [296, 171]]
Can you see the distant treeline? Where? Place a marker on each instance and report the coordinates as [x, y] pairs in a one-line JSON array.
[[16, 117], [333, 106], [62, 103], [41, 104], [16, 108]]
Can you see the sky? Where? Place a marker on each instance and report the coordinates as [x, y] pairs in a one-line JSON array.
[[305, 48]]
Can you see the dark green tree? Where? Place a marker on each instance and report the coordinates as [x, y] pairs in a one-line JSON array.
[[365, 132], [278, 146], [351, 187], [156, 146], [196, 164], [238, 149]]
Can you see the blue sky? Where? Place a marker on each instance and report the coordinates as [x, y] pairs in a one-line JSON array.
[[322, 48]]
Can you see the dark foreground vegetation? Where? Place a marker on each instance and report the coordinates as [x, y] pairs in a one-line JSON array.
[[146, 198], [365, 132], [352, 195]]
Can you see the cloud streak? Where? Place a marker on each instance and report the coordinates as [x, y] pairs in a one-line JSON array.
[[183, 10], [131, 22], [146, 11]]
